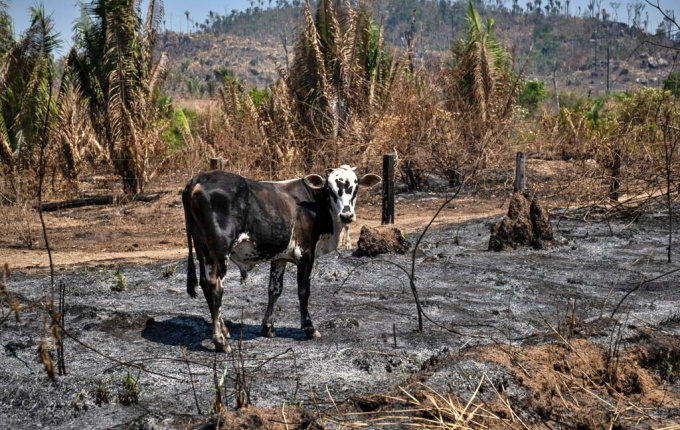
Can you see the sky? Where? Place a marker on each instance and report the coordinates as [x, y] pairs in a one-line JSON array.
[[65, 12]]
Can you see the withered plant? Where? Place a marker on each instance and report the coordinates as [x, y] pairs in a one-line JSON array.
[[120, 75], [323, 110], [480, 92], [75, 135]]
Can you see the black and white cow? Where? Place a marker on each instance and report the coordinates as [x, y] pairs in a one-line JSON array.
[[249, 222]]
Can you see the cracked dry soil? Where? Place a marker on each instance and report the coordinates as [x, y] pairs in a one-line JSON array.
[[489, 316]]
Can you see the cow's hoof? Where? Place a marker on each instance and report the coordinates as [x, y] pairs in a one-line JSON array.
[[268, 331], [222, 347], [312, 333]]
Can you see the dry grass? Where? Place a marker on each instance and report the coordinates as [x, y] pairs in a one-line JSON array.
[[567, 382]]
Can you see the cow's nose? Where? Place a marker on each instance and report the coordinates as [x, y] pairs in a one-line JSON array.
[[346, 217]]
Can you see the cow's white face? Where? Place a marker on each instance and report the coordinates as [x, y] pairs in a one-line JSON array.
[[342, 186]]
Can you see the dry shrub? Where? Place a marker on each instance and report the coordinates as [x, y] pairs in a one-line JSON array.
[[231, 128], [22, 221], [404, 128], [7, 299], [75, 138], [324, 110], [19, 181], [623, 147]]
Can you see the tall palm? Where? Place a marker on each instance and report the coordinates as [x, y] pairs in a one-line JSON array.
[[483, 72], [26, 72], [115, 69], [338, 57]]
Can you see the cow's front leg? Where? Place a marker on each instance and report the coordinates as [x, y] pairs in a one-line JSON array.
[[303, 275], [278, 268], [213, 295], [348, 245]]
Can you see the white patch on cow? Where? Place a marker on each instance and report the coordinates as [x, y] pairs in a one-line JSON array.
[[293, 252], [244, 254]]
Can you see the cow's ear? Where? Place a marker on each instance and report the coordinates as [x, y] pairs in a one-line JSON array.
[[369, 180], [314, 181]]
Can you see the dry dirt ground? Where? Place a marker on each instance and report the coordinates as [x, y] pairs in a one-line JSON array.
[[138, 233], [522, 339]]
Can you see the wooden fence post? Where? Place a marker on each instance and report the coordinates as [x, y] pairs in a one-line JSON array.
[[388, 190], [519, 172], [616, 176], [216, 163]]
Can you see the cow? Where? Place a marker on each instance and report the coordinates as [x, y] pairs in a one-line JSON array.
[[229, 217]]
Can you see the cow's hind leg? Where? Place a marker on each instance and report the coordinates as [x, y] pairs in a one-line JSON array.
[[213, 294], [278, 268], [303, 275]]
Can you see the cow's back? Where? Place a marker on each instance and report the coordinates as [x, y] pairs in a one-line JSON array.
[[265, 220]]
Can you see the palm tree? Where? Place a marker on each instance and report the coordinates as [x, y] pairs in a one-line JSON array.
[[113, 67], [480, 90], [484, 74], [338, 64], [26, 72], [333, 90]]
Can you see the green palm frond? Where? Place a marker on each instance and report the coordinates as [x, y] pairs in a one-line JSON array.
[[40, 35], [6, 28]]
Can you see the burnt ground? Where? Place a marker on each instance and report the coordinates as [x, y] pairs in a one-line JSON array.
[[493, 317]]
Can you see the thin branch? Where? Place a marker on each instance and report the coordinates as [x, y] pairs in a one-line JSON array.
[[638, 287]]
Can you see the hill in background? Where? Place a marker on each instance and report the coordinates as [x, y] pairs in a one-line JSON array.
[[583, 52]]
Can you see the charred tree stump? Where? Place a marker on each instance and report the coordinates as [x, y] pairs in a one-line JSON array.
[[520, 174], [216, 163]]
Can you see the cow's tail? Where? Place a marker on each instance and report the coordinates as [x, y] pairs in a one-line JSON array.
[[192, 281]]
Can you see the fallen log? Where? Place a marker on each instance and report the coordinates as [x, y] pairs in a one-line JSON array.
[[96, 201]]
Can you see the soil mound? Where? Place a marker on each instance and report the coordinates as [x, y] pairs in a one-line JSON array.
[[381, 240], [284, 418], [571, 381], [526, 224]]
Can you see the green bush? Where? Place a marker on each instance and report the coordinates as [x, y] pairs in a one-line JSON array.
[[532, 94], [672, 83], [181, 122], [258, 96]]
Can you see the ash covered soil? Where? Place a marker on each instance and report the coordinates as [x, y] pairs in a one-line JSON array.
[[494, 318]]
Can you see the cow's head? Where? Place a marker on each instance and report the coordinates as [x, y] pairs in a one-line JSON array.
[[342, 185]]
